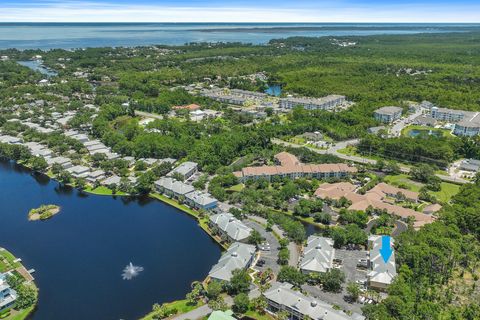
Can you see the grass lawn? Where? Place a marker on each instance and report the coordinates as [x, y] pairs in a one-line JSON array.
[[23, 314], [6, 261], [258, 316], [349, 151], [236, 188], [403, 180], [103, 191], [181, 305], [447, 192]]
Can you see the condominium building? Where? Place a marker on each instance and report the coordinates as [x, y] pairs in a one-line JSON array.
[[282, 297], [318, 255], [185, 170], [324, 103], [388, 114], [290, 167], [382, 271], [238, 256], [229, 227]]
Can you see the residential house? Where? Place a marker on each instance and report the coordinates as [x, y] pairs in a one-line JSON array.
[[8, 296], [238, 256], [229, 227], [79, 171], [64, 162], [95, 176]]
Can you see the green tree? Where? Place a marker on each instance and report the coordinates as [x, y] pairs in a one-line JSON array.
[[353, 290], [291, 275], [214, 289], [241, 303], [255, 237], [239, 282]]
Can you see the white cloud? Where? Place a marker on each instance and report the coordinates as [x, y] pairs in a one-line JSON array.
[[338, 11]]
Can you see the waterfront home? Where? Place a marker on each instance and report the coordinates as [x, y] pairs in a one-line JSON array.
[[388, 114], [95, 176], [290, 167], [8, 296], [200, 200], [64, 162], [79, 171], [114, 179], [324, 103], [282, 297], [185, 170], [238, 256], [173, 188], [229, 228], [381, 273], [318, 255]]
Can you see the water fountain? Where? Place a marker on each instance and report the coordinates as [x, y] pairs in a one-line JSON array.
[[131, 271]]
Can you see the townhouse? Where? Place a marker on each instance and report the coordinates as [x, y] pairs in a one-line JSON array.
[[238, 256], [282, 297], [229, 228], [382, 271], [318, 255]]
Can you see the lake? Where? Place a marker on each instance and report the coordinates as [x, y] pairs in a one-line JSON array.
[[79, 254], [81, 35]]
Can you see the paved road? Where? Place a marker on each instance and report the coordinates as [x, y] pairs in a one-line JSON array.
[[397, 128], [358, 159], [270, 257], [198, 313]]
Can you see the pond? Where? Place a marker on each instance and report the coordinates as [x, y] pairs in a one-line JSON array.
[[274, 90], [79, 254], [36, 65], [417, 132]]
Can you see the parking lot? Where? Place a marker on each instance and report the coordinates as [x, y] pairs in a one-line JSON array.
[[270, 257], [349, 263]]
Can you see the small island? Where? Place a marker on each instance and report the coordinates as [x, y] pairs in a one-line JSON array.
[[43, 212]]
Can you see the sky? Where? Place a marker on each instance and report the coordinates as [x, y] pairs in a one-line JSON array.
[[239, 11]]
